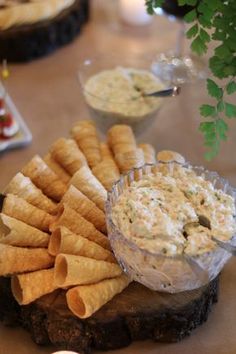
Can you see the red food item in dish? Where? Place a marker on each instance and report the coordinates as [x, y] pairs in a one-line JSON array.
[[1, 103], [8, 120]]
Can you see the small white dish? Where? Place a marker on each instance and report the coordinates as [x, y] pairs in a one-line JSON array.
[[23, 136]]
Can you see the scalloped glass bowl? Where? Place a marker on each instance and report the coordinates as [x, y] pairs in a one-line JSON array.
[[156, 271], [117, 110]]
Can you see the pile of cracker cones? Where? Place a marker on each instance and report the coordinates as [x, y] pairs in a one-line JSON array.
[[52, 224]]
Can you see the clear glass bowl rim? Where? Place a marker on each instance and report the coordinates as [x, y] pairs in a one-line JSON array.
[[108, 207], [92, 61]]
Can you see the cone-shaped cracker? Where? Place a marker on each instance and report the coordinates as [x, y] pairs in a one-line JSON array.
[[44, 178], [57, 168], [20, 209], [105, 151], [121, 139], [107, 173], [84, 300], [19, 260], [85, 207], [68, 155], [30, 286], [24, 188], [85, 134], [76, 223], [89, 185], [77, 270], [16, 233], [63, 240], [168, 156], [149, 153], [129, 160]]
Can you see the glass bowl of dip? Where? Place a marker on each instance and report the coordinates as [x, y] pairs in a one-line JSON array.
[[164, 260], [113, 88]]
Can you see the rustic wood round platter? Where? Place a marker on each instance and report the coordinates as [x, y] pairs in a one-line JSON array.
[[27, 42], [136, 314]]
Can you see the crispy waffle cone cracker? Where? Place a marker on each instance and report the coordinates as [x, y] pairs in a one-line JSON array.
[[130, 159], [89, 185], [57, 168], [16, 233], [121, 139], [20, 209], [107, 173], [24, 188], [68, 155], [44, 178], [76, 223], [77, 270], [19, 260], [63, 240], [85, 134], [30, 286], [85, 207], [149, 153], [105, 151], [168, 156], [84, 300]]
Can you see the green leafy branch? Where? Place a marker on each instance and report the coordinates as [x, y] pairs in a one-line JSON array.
[[213, 20]]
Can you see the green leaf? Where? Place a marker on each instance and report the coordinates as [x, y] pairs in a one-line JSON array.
[[192, 32], [214, 5], [218, 22], [227, 11], [158, 3], [205, 10], [209, 143], [191, 2], [198, 46], [204, 36], [207, 111], [220, 106], [190, 16], [209, 155], [217, 66], [204, 21], [213, 89], [207, 127], [231, 87], [222, 51], [219, 35], [229, 70], [231, 43], [182, 2], [149, 7], [230, 110], [221, 128]]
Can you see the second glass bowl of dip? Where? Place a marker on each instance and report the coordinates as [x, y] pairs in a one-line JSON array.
[[155, 270], [112, 87]]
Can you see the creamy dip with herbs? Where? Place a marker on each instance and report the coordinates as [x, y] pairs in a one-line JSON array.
[[120, 91], [163, 212]]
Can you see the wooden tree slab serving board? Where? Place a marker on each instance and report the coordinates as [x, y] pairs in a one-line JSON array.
[[136, 314]]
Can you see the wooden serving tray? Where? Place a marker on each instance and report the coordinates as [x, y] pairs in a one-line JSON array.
[[27, 42], [136, 314]]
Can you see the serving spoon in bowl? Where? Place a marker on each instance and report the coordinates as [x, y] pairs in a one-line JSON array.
[[229, 246], [169, 92], [173, 91]]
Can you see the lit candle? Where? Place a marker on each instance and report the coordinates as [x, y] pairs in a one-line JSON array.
[[134, 12], [65, 352]]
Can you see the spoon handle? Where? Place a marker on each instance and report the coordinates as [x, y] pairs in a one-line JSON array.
[[228, 246], [174, 91]]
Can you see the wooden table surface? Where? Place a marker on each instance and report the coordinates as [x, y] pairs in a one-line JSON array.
[[47, 94]]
